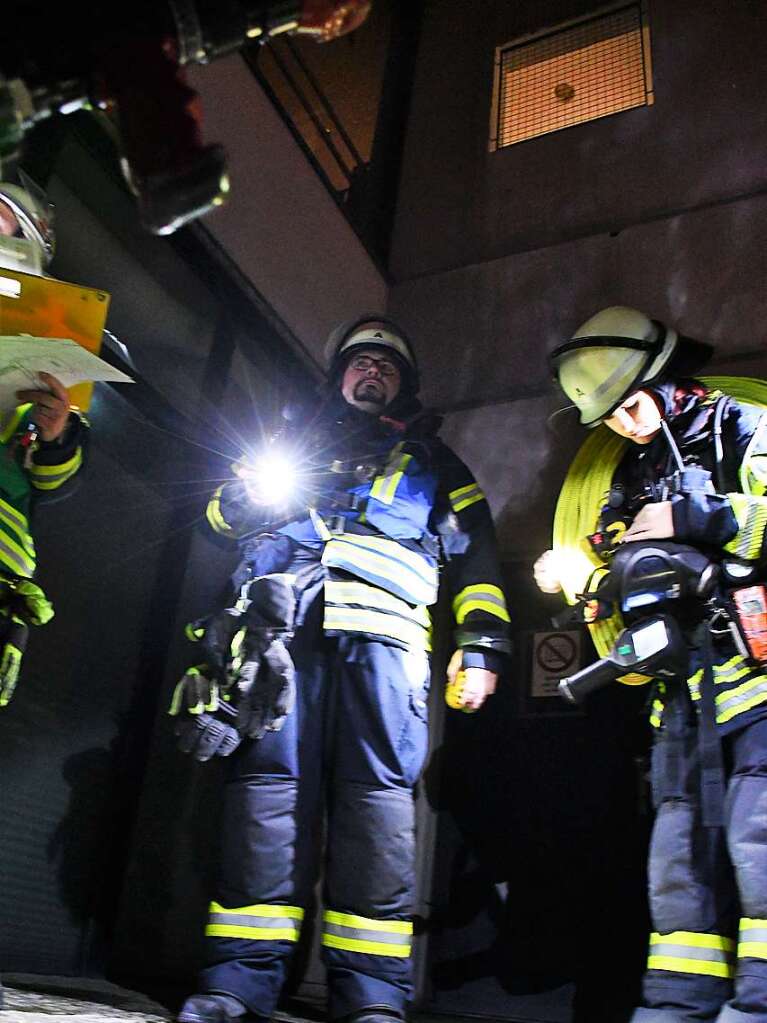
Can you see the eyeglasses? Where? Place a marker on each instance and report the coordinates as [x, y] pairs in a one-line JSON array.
[[365, 362]]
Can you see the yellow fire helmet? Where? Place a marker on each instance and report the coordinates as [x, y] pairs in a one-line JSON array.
[[614, 353]]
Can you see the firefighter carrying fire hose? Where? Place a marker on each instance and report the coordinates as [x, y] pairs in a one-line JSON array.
[[314, 683], [682, 527]]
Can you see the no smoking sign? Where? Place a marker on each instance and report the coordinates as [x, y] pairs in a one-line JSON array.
[[555, 655]]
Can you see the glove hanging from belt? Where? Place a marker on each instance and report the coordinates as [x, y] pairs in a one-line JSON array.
[[217, 636], [206, 718], [246, 685], [265, 675]]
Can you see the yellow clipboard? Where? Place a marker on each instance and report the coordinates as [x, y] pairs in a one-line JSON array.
[[44, 307]]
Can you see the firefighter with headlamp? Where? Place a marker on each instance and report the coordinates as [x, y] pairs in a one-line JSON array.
[[348, 724], [692, 478]]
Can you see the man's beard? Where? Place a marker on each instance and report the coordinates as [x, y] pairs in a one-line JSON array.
[[371, 394]]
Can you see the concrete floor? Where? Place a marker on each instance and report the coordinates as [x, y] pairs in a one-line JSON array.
[[75, 1000], [30, 998]]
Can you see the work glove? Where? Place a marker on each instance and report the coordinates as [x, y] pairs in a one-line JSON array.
[[206, 726], [216, 634], [266, 687], [13, 642], [265, 681], [22, 603]]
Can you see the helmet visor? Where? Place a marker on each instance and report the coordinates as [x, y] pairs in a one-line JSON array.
[[597, 379]]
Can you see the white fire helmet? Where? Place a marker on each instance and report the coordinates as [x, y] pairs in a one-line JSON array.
[[29, 217]]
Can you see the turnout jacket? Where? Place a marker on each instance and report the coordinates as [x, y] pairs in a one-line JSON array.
[[732, 521], [383, 538], [29, 474]]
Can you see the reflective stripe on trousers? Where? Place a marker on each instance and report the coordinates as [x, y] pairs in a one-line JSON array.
[[369, 937], [752, 939], [255, 923], [686, 952]]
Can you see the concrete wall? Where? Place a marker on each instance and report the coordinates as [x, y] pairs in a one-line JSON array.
[[499, 256], [702, 140], [280, 224]]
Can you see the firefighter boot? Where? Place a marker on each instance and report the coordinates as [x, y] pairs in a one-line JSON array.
[[212, 1008], [376, 1014]]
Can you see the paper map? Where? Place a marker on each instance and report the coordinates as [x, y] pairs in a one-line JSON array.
[[22, 357]]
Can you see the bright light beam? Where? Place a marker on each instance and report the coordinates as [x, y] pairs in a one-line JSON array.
[[270, 479]]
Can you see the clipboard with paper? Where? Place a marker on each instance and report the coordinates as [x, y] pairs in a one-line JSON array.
[[55, 327]]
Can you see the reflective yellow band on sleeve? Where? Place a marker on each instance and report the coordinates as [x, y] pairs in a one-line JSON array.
[[465, 496], [480, 597], [751, 516], [49, 477], [213, 514]]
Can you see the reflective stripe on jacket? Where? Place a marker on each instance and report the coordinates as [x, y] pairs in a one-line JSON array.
[[50, 467]]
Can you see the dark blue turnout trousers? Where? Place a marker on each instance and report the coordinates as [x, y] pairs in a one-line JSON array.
[[355, 745], [708, 891]]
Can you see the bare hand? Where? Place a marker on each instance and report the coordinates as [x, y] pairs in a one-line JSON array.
[[654, 522], [51, 407], [546, 574], [479, 683]]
